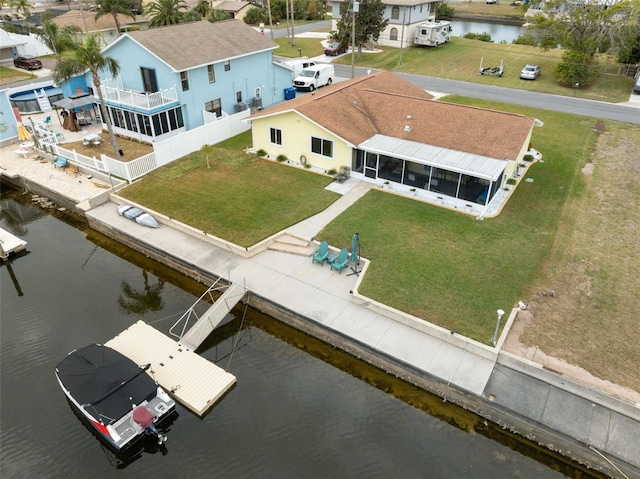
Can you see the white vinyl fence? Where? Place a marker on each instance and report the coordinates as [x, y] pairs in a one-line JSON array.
[[164, 151]]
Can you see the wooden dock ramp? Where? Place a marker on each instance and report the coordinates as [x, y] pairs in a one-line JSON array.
[[195, 325], [191, 379]]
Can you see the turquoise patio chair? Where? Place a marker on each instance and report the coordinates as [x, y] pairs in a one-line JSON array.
[[320, 254], [60, 162], [341, 261]]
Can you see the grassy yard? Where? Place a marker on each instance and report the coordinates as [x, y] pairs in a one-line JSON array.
[[453, 270], [13, 75], [239, 197], [460, 60]]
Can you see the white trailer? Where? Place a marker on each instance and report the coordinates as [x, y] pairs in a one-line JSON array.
[[433, 34]]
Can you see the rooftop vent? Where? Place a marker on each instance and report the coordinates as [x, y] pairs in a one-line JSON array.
[[407, 128]]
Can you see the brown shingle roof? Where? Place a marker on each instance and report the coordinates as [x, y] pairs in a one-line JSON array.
[[79, 19], [188, 45], [383, 103]]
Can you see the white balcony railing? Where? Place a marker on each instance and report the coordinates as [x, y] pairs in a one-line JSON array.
[[116, 93]]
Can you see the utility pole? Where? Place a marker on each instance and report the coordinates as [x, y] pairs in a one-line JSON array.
[[355, 8]]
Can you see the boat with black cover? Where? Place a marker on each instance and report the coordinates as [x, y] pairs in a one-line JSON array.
[[116, 396]]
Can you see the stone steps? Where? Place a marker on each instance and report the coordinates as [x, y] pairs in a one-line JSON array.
[[292, 244]]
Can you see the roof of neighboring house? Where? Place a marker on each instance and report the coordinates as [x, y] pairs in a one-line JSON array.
[[189, 45], [86, 21], [400, 3], [234, 6], [385, 104], [8, 40]]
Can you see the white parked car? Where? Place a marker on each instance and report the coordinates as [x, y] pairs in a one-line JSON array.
[[530, 72]]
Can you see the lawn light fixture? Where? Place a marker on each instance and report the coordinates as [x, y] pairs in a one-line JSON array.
[[495, 333]]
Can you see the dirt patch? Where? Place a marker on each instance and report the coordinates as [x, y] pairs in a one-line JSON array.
[[588, 329]]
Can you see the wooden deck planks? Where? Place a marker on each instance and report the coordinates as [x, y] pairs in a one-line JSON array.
[[193, 381]]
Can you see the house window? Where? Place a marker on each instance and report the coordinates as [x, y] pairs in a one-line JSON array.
[[214, 106], [212, 74], [322, 147], [184, 79], [276, 136], [149, 81], [393, 34], [227, 65], [395, 13]]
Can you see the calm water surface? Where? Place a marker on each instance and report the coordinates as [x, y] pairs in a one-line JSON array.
[[499, 33], [291, 415]]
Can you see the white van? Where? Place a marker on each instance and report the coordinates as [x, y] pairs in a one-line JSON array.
[[298, 65], [314, 77]]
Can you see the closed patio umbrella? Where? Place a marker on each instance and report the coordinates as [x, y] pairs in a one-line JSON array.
[[355, 253], [355, 247], [23, 133]]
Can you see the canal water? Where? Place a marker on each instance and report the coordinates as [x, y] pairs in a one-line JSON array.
[[300, 409], [499, 32]]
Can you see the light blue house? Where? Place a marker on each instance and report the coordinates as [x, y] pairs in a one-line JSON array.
[[403, 16], [176, 78]]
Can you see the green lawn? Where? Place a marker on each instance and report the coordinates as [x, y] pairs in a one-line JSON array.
[[443, 266], [452, 269], [239, 197], [460, 60]]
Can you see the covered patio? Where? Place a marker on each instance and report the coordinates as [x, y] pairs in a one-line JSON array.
[[418, 167]]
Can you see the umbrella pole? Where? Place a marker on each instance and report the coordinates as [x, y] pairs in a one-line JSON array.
[[356, 247]]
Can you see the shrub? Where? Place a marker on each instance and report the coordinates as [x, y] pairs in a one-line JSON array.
[[261, 152], [443, 9], [333, 171], [527, 157], [483, 37], [576, 69], [511, 181], [282, 158]]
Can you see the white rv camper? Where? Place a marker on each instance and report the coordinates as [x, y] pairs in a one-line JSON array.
[[433, 34]]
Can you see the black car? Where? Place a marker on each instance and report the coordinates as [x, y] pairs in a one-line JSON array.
[[28, 62], [335, 49]]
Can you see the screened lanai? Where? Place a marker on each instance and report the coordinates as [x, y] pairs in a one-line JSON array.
[[465, 176]]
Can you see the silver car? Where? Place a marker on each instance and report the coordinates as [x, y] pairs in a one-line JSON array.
[[530, 72]]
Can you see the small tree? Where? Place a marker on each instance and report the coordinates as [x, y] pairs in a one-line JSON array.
[[369, 23], [575, 68], [57, 39], [165, 12], [115, 8]]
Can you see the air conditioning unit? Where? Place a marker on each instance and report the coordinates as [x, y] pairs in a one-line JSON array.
[[256, 102], [240, 107]]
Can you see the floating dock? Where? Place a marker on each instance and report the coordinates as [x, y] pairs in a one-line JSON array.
[[10, 244], [191, 379]]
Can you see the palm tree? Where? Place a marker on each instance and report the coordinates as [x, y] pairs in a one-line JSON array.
[[203, 8], [56, 38], [115, 8], [22, 5], [165, 12], [88, 56]]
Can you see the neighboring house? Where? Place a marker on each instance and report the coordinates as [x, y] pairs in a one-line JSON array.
[[385, 129], [236, 10], [13, 45], [403, 16], [179, 77], [105, 26]]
